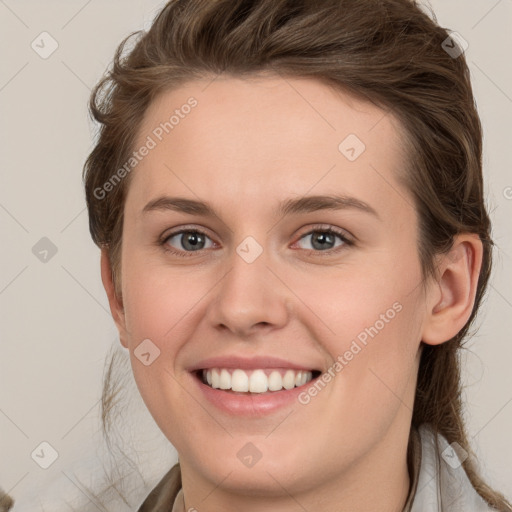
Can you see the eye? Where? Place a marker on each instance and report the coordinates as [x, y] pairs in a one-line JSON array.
[[323, 239], [187, 240]]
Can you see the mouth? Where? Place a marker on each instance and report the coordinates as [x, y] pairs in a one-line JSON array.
[[255, 381]]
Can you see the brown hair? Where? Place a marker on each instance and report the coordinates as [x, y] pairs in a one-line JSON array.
[[389, 52]]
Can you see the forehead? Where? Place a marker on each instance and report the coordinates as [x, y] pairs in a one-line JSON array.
[[267, 136], [272, 103]]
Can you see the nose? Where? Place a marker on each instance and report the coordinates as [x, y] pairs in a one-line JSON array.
[[250, 297]]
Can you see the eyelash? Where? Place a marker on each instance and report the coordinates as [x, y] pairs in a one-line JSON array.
[[315, 229]]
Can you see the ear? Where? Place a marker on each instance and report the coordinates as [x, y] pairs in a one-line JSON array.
[[450, 299], [116, 306]]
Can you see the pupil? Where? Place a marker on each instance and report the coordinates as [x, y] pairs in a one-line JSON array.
[[193, 239], [322, 239]]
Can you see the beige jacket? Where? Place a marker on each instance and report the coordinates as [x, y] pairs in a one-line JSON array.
[[438, 481]]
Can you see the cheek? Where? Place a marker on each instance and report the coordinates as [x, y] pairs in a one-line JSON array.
[[157, 320], [162, 397], [375, 317], [379, 367], [365, 302], [156, 301]]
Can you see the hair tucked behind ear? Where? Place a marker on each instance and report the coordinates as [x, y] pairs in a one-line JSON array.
[[387, 51]]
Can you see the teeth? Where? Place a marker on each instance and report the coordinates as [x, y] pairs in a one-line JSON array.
[[289, 379], [224, 380], [215, 378], [255, 381], [240, 381], [258, 382], [275, 381]]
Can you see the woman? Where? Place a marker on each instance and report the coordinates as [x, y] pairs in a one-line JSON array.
[[238, 141]]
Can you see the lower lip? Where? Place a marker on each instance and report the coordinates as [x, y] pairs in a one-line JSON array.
[[254, 404]]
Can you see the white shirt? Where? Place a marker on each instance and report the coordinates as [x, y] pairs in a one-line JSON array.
[[443, 485]]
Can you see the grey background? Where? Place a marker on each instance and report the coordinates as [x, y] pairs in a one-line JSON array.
[[55, 326]]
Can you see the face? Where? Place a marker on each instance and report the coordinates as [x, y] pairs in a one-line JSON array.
[[268, 281]]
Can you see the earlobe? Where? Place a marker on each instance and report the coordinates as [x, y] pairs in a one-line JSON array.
[[116, 306], [450, 300]]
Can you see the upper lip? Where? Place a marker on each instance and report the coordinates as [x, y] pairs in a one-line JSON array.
[[248, 363]]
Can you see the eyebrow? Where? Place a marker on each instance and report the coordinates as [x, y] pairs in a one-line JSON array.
[[302, 205]]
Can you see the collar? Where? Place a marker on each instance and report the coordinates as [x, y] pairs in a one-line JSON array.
[[443, 485]]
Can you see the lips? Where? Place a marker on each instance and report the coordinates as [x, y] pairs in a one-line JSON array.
[[251, 363], [251, 404], [260, 375]]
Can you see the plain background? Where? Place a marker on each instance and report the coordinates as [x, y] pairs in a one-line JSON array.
[[55, 325]]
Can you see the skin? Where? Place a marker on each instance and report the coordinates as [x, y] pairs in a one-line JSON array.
[[246, 146]]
